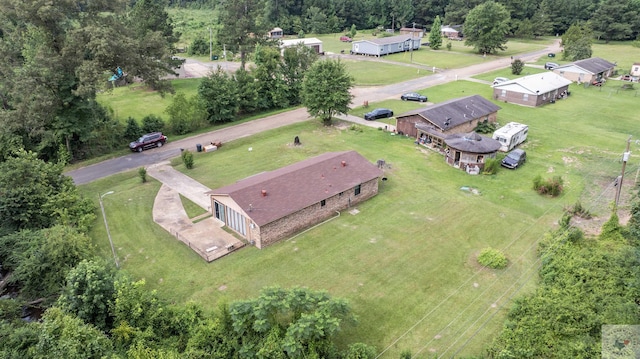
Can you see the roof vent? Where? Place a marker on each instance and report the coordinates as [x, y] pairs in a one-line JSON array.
[[264, 193], [344, 163]]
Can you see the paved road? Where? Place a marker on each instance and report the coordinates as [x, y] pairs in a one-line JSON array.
[[194, 68]]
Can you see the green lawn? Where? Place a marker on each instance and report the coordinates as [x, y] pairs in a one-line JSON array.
[[138, 101], [406, 261]]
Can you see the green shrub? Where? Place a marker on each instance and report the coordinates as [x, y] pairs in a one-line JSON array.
[[406, 354], [132, 132], [492, 258], [142, 172], [485, 127], [491, 166], [152, 123], [516, 67], [199, 46], [550, 186], [449, 45], [187, 159]]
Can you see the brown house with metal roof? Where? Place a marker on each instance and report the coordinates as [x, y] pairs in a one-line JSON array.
[[274, 205], [433, 124]]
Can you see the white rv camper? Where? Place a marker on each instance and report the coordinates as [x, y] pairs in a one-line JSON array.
[[511, 135]]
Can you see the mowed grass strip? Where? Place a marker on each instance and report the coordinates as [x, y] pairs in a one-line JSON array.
[[412, 248]]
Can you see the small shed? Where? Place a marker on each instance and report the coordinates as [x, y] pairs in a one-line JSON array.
[[276, 33], [533, 90], [385, 45], [311, 42], [469, 151], [635, 70], [431, 125], [419, 33], [586, 70]]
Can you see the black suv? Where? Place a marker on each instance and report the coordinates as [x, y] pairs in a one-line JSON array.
[[154, 139]]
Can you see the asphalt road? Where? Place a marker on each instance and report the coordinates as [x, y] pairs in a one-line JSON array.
[[198, 69]]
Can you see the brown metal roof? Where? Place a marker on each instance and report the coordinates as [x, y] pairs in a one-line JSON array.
[[452, 113], [472, 142], [595, 65], [300, 185]]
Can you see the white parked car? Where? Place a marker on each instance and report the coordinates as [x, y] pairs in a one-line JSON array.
[[499, 80]]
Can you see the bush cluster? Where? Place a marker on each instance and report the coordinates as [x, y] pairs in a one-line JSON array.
[[550, 186], [492, 258], [491, 166], [187, 159]]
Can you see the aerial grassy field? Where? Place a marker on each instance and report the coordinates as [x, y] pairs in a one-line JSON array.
[[406, 262]]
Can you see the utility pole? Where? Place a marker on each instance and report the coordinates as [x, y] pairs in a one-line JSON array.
[[106, 226], [411, 50], [625, 158]]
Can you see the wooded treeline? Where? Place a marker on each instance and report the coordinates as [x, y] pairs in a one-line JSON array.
[[609, 19]]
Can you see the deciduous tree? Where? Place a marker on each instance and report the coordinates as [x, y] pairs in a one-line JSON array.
[[486, 27], [577, 43], [219, 94], [326, 90], [35, 194], [89, 293]]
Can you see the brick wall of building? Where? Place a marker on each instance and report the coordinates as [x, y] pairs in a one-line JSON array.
[[312, 215]]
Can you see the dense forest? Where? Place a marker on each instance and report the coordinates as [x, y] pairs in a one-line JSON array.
[[609, 19]]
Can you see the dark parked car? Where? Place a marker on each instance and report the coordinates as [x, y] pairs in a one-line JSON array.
[[514, 158], [413, 96], [154, 139], [550, 65], [378, 113]]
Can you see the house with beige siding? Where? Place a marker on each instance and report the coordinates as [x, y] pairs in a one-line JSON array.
[[533, 90], [386, 45], [433, 124], [270, 206], [587, 70]]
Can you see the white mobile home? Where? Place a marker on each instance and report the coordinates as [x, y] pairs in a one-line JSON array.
[[386, 45], [311, 42], [511, 135]]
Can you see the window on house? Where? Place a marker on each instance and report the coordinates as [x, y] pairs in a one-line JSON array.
[[357, 190], [340, 194], [503, 93], [323, 203], [525, 96]]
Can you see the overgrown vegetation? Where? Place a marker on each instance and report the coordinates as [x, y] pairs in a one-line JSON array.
[[491, 166], [585, 283], [550, 186], [492, 258]]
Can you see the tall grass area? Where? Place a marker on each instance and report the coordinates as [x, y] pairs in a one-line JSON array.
[[406, 261]]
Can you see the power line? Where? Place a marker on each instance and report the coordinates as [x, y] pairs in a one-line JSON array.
[[595, 200]]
